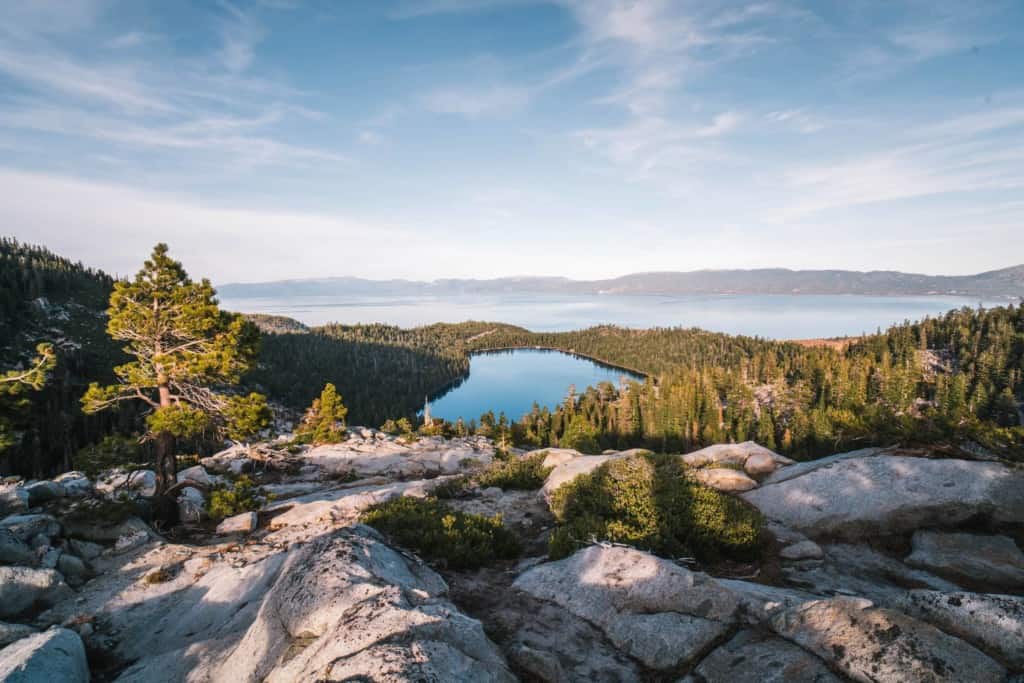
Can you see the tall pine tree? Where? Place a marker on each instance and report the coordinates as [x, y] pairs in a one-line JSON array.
[[185, 351]]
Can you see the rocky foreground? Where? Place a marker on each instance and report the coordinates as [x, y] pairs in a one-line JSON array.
[[884, 566]]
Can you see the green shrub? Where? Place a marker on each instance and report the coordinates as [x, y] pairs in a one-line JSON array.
[[651, 503], [437, 532], [521, 474], [243, 496]]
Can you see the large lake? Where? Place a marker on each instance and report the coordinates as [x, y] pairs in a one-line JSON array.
[[776, 316], [510, 381]]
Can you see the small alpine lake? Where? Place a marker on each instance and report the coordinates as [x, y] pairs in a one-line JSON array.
[[510, 381]]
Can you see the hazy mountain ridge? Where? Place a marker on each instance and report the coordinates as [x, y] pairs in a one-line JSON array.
[[1006, 282]]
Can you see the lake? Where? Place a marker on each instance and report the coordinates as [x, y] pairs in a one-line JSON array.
[[775, 317], [510, 381]]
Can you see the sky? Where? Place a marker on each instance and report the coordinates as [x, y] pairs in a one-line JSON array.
[[423, 139]]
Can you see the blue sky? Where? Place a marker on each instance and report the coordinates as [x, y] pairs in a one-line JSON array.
[[480, 138]]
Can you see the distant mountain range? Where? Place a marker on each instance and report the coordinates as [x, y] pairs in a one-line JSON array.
[[1005, 283]]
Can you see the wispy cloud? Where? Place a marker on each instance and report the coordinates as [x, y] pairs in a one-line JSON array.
[[473, 102], [181, 106], [131, 39], [240, 34], [47, 71]]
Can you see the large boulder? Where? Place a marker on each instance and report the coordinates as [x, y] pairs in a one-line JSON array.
[[22, 588], [198, 474], [553, 457], [343, 607], [191, 505], [43, 492], [753, 658], [871, 644], [13, 499], [724, 479], [13, 550], [25, 527], [234, 460], [142, 482], [970, 558], [54, 655], [652, 609], [12, 632], [737, 454], [882, 494], [76, 484], [993, 623], [103, 531], [238, 524]]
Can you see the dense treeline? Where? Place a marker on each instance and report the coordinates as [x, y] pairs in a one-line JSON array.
[[47, 298], [952, 378]]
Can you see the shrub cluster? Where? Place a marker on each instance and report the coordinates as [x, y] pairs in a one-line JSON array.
[[243, 496], [519, 474], [439, 533], [650, 502]]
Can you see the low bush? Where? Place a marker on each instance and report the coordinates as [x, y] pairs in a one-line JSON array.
[[439, 533], [454, 487], [242, 496], [520, 474], [651, 503]]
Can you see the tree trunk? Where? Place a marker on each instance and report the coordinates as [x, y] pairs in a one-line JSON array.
[[166, 463]]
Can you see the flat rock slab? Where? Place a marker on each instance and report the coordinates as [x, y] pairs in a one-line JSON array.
[[421, 458], [752, 658], [973, 558], [870, 644], [881, 494], [650, 608], [345, 504], [993, 623], [48, 657]]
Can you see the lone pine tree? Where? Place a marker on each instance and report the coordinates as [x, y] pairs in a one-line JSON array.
[[185, 351]]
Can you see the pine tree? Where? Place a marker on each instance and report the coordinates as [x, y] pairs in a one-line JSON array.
[[184, 349], [324, 421]]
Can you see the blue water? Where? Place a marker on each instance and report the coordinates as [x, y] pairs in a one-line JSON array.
[[510, 381], [773, 316]]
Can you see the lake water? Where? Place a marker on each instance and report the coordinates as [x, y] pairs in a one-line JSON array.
[[510, 381], [775, 317]]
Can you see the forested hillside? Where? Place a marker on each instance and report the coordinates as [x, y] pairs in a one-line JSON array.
[[381, 371], [47, 298], [947, 379]]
